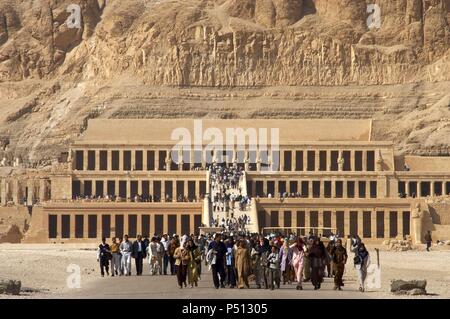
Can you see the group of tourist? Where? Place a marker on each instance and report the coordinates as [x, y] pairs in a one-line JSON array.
[[232, 224], [237, 260]]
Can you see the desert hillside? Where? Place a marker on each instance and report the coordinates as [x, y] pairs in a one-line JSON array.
[[222, 59]]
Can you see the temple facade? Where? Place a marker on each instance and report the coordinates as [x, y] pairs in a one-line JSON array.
[[151, 176]]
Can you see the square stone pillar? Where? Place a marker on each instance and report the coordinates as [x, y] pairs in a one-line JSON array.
[[328, 160], [368, 189], [344, 189], [346, 222], [322, 188], [108, 160], [364, 160], [94, 188], [276, 191], [352, 160], [174, 191], [126, 230], [121, 160], [333, 221], [179, 225], [116, 186], [139, 224], [265, 187], [305, 159], [3, 191], [163, 190], [333, 188], [316, 160], [85, 226], [432, 190], [281, 160], [310, 189], [356, 188], [387, 229], [307, 221], [151, 190], [360, 223], [281, 218], [133, 160], [128, 192], [99, 225], [58, 226], [165, 224], [139, 186], [382, 187], [42, 190], [15, 191], [113, 225], [192, 224], [400, 223], [407, 190], [85, 159], [320, 221], [294, 160], [72, 225], [156, 160], [97, 160], [373, 224]]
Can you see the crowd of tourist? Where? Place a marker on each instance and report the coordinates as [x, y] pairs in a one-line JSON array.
[[136, 198], [232, 224], [237, 261]]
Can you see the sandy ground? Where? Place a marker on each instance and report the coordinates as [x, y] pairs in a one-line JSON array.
[[45, 270]]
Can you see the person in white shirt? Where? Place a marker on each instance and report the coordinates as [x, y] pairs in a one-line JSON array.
[[152, 252], [125, 249], [165, 244]]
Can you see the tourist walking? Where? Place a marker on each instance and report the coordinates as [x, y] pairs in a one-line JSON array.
[[339, 259], [317, 255], [138, 253], [194, 260], [116, 268], [103, 257], [286, 262], [428, 240], [230, 262], [307, 261], [274, 268], [181, 257], [361, 262], [297, 261], [174, 244], [242, 264], [152, 253], [165, 244], [216, 258], [125, 250]]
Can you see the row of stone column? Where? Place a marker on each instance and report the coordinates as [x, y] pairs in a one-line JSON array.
[[126, 225], [398, 219], [140, 187], [380, 190], [257, 159], [444, 187], [15, 190]]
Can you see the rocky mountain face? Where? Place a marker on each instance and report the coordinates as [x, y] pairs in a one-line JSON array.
[[64, 61]]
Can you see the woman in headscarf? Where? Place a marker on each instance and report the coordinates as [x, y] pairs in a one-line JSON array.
[[298, 255], [317, 256], [194, 259], [361, 262], [182, 258], [243, 267], [286, 259]]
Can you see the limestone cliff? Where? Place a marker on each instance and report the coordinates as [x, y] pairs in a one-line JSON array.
[[227, 58]]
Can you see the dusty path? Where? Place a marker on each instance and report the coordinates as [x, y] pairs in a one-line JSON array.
[[43, 270]]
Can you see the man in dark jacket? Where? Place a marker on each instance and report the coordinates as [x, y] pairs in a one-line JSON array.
[[138, 253]]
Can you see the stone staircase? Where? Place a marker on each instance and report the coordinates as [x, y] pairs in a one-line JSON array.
[[235, 211]]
